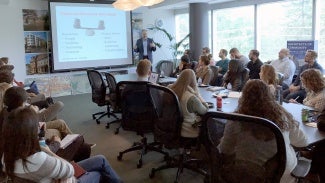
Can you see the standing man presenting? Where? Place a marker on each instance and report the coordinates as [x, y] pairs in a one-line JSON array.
[[145, 46]]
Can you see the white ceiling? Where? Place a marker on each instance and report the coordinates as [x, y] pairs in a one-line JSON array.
[[179, 4]]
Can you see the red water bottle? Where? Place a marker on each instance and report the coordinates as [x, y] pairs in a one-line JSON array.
[[219, 103]]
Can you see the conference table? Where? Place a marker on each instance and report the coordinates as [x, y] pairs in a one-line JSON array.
[[133, 77], [229, 104]]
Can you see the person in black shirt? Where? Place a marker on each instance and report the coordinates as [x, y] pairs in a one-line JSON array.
[[254, 65]]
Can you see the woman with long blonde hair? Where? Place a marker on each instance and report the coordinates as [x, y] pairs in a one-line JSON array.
[[192, 104], [269, 76]]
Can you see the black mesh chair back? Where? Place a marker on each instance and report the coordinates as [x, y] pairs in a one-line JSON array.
[[169, 115], [138, 114], [137, 109], [215, 71], [167, 131], [280, 78], [98, 87], [194, 65], [244, 77], [234, 167], [100, 96], [111, 82], [166, 66]]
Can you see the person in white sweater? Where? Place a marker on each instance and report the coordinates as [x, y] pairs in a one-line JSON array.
[[24, 158], [192, 104], [244, 143]]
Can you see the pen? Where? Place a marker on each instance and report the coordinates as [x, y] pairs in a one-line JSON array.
[[297, 98]]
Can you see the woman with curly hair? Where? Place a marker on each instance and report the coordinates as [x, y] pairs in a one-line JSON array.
[[242, 140], [313, 81], [269, 76]]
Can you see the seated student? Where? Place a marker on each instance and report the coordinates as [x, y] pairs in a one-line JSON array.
[[27, 161], [48, 114], [16, 97], [35, 97], [257, 100], [313, 82], [296, 89], [192, 104], [143, 70], [223, 65], [269, 76], [183, 64], [204, 72], [233, 79]]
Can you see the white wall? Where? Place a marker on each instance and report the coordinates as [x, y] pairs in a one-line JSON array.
[[11, 32], [149, 18], [12, 35]]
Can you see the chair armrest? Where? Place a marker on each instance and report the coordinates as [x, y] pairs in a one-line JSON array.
[[302, 168]]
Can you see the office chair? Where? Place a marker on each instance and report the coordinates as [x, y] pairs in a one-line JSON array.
[[137, 115], [99, 95], [111, 84], [167, 131], [215, 72], [194, 65], [280, 78], [165, 68], [242, 170]]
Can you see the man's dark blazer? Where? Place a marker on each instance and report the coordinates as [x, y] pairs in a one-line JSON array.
[[140, 49]]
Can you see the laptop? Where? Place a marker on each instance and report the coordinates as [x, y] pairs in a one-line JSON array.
[[154, 77]]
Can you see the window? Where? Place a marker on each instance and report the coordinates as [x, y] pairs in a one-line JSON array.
[[281, 22], [233, 28], [182, 29], [320, 33]]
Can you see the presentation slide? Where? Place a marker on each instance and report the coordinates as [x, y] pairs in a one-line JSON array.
[[88, 35]]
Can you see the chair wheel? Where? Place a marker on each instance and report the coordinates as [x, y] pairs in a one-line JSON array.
[[139, 165], [97, 121], [107, 125], [94, 117], [119, 157], [206, 179], [166, 157], [117, 131], [152, 173]]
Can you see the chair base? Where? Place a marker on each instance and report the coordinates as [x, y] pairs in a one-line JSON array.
[[144, 147], [107, 113], [183, 161]]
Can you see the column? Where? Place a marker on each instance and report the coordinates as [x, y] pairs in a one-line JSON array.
[[199, 28]]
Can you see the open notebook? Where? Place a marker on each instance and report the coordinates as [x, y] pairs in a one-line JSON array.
[[154, 77], [67, 140]]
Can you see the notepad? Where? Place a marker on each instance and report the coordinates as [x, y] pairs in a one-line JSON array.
[[67, 140], [78, 170], [233, 94], [216, 88], [311, 124]]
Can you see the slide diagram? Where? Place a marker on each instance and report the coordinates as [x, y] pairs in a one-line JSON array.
[[89, 31]]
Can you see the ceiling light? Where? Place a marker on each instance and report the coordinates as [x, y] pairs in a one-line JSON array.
[[126, 5], [150, 2]]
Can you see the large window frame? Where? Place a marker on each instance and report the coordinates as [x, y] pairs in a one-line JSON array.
[[317, 31]]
